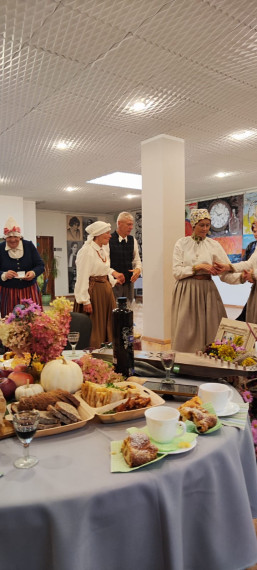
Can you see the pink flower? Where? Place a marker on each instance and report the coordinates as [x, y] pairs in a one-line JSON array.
[[247, 396]]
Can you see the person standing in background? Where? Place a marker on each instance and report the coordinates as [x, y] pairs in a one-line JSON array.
[[72, 265], [248, 252], [20, 265], [124, 256]]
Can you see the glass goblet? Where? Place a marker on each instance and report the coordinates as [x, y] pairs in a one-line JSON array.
[[73, 338], [167, 359], [25, 425]]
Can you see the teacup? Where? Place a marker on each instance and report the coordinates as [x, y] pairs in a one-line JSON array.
[[218, 394], [163, 423]]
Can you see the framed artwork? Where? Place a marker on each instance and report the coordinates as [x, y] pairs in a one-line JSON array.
[[74, 228], [228, 329], [226, 215], [250, 210]]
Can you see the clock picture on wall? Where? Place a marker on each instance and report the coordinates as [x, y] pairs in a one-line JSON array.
[[220, 212]]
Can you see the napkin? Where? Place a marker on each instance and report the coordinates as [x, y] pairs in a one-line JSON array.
[[239, 419], [118, 463]]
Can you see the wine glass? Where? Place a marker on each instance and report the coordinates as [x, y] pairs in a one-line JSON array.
[[25, 425], [167, 359], [73, 338]]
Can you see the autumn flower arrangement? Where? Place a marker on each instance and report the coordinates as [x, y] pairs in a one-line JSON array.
[[230, 350], [98, 371], [30, 331]]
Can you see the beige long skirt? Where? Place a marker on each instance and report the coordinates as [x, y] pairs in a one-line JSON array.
[[251, 307], [196, 312], [103, 303]]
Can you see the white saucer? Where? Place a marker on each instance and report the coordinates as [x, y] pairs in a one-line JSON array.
[[230, 409], [176, 451]]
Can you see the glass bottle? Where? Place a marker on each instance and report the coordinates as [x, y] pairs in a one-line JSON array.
[[122, 338]]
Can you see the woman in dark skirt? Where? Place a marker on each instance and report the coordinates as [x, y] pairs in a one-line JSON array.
[[20, 265]]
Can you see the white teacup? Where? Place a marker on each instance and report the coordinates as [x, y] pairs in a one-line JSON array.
[[163, 423], [218, 394]]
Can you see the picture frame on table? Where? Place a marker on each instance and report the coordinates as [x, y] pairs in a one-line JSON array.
[[228, 329]]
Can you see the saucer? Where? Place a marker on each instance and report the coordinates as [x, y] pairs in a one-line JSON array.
[[230, 409]]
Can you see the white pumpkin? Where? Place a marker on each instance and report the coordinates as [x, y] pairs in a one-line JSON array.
[[28, 390], [61, 373]]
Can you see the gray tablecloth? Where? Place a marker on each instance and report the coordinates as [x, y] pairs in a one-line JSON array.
[[187, 512]]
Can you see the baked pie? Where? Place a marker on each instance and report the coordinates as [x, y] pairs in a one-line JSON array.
[[138, 450], [194, 411]]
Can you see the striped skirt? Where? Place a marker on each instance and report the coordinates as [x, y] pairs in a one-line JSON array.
[[11, 297]]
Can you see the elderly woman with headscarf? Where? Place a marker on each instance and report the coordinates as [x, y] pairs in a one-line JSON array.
[[95, 279], [197, 308], [20, 265]]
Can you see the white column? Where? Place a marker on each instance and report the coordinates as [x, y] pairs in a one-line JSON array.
[[163, 222]]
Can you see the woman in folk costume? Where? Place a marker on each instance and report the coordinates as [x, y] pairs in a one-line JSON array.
[[20, 265], [197, 308], [95, 279]]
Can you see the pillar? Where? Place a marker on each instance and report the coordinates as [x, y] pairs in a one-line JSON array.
[[163, 222]]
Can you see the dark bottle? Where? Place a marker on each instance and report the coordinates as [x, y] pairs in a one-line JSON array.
[[122, 338]]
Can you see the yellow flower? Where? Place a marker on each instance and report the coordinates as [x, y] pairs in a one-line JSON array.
[[226, 352], [248, 361]]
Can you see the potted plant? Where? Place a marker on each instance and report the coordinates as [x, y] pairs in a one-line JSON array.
[[51, 271]]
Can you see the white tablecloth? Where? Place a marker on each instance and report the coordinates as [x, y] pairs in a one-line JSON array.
[[187, 512]]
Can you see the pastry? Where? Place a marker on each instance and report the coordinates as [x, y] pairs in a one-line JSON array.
[[138, 450], [194, 411]]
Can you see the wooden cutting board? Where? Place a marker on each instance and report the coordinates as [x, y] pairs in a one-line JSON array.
[[6, 430]]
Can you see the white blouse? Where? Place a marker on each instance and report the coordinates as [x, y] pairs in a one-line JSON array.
[[89, 263], [188, 252]]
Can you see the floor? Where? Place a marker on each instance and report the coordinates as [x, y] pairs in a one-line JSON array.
[[137, 308]]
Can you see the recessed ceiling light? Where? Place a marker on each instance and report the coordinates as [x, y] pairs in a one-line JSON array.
[[242, 135], [223, 174], [119, 179], [62, 145], [140, 106], [130, 196], [70, 188]]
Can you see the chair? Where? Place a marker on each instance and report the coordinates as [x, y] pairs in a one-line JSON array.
[[82, 323]]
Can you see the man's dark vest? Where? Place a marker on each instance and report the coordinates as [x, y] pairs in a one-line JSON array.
[[121, 254]]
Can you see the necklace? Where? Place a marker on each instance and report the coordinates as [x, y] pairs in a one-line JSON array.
[[99, 255], [197, 238]]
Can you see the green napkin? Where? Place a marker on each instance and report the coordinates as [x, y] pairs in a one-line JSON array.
[[173, 445], [191, 427], [118, 463]]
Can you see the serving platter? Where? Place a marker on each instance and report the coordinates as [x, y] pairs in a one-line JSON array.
[[85, 413], [126, 415]]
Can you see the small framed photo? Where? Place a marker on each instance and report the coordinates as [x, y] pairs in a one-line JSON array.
[[228, 329]]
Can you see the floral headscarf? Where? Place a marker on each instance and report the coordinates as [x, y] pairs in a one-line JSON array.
[[197, 215]]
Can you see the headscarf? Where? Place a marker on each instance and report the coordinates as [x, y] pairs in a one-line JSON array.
[[197, 215], [11, 228], [96, 229]]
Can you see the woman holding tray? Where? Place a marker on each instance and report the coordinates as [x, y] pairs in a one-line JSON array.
[[197, 308]]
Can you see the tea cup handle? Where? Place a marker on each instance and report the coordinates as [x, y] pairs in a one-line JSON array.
[[184, 428]]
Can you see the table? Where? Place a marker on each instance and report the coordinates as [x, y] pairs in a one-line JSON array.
[[187, 512]]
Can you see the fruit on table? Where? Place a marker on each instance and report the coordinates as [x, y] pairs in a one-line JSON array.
[[21, 378], [8, 387], [61, 373], [4, 372]]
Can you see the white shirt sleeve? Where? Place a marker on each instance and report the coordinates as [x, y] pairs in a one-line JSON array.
[[136, 263]]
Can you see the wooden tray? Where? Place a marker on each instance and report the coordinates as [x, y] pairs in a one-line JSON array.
[[156, 400], [84, 411], [6, 430]]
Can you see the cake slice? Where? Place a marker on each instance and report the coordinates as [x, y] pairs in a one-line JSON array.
[[138, 450]]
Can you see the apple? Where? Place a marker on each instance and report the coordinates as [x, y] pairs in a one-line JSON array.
[[3, 374], [21, 378], [6, 370], [20, 368], [8, 387]]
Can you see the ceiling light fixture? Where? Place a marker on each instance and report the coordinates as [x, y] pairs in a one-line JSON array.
[[140, 106], [61, 145], [130, 196], [119, 179], [242, 135], [223, 174], [70, 188]]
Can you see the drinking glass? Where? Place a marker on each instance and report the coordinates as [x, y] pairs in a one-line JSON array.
[[73, 338], [25, 425], [167, 359]]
